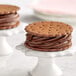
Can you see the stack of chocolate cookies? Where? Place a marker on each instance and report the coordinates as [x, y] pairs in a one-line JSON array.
[[48, 36], [9, 18]]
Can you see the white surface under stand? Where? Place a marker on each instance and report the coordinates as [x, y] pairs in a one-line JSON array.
[[5, 48], [46, 63]]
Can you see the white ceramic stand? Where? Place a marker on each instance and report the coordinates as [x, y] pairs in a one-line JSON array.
[[5, 48], [46, 64], [46, 67], [3, 60]]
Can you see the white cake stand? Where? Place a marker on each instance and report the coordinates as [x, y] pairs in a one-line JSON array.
[[46, 63], [5, 48]]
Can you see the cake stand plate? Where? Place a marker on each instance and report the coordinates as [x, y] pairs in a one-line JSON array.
[[46, 63], [5, 48]]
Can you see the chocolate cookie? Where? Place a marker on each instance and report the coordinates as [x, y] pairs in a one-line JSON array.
[[9, 27], [47, 29], [8, 9], [48, 36], [9, 18]]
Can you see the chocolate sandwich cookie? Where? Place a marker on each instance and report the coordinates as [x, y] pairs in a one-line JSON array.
[[9, 18], [48, 36]]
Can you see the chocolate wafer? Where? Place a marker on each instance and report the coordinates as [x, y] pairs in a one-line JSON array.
[[9, 18], [48, 36]]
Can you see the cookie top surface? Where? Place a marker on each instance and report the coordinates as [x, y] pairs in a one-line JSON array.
[[49, 29], [7, 9]]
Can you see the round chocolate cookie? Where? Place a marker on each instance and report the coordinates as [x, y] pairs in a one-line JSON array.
[[47, 29], [9, 27], [48, 36], [9, 18], [8, 9]]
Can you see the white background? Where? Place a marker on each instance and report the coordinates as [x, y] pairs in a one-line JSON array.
[[18, 64]]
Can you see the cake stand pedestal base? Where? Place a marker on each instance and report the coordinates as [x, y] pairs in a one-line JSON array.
[[46, 67], [5, 49]]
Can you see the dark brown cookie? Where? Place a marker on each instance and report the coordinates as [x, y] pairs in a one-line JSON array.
[[9, 27], [49, 42], [8, 18], [49, 50], [49, 29]]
